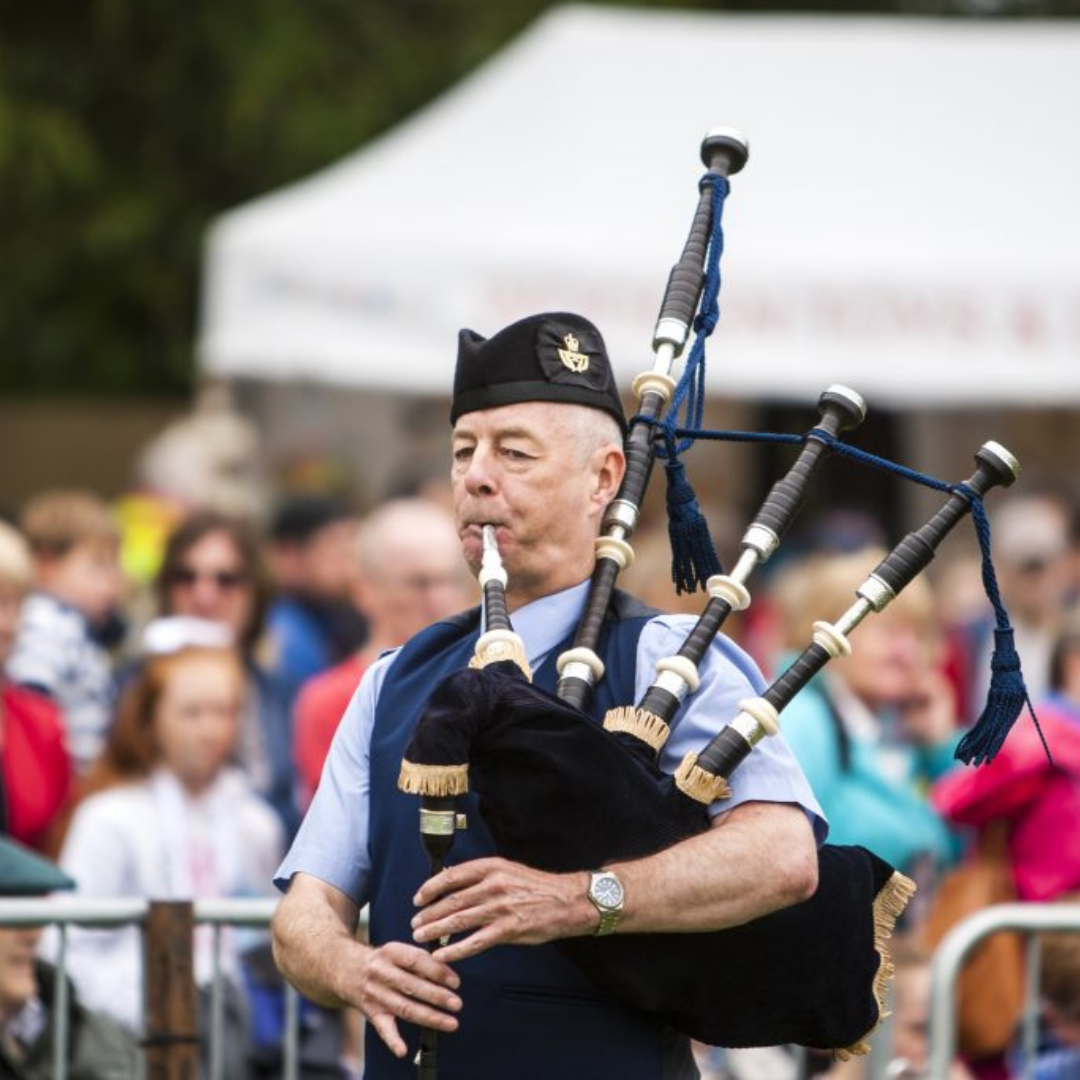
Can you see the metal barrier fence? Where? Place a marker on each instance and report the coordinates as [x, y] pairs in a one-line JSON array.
[[1027, 919], [109, 914]]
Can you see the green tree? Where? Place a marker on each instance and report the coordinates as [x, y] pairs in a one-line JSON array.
[[127, 125]]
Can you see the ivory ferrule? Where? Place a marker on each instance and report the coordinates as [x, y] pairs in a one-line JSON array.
[[616, 549], [832, 640], [682, 669], [762, 540], [498, 636], [580, 664], [725, 587], [656, 381], [756, 720]]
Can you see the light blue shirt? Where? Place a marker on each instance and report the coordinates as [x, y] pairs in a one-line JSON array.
[[332, 843]]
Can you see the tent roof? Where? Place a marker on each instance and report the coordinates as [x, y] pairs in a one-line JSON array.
[[906, 222]]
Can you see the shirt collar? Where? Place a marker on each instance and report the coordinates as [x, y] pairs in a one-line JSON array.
[[544, 623]]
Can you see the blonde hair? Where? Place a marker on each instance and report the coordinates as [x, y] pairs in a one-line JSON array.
[[823, 587], [16, 569], [55, 522]]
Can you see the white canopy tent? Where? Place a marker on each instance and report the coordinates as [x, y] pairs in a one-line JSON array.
[[907, 222]]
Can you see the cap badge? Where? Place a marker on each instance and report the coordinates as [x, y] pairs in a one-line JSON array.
[[573, 359]]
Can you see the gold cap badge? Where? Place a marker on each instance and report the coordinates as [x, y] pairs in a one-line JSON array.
[[573, 359]]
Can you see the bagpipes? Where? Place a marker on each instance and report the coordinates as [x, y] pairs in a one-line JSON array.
[[561, 793]]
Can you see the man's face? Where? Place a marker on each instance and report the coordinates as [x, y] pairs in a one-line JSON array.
[[18, 982], [524, 469]]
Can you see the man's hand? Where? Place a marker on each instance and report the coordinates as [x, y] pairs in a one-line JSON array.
[[402, 982], [498, 902], [315, 946]]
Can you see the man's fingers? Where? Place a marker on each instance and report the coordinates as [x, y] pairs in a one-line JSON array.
[[455, 878], [468, 946], [414, 1011], [398, 961], [453, 914], [386, 1028]]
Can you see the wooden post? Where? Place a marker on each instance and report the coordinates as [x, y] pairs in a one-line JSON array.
[[171, 1041]]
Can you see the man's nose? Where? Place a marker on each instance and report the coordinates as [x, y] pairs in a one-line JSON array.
[[479, 476]]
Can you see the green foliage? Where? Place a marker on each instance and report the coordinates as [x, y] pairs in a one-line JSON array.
[[127, 125]]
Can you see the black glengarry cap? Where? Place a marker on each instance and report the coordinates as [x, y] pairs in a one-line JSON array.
[[555, 356]]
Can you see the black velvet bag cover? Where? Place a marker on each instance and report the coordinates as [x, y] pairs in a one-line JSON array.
[[560, 793]]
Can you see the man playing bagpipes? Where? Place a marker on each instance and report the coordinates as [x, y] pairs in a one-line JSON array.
[[538, 454]]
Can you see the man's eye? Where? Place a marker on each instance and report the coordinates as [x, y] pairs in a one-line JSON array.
[[463, 453], [515, 455]]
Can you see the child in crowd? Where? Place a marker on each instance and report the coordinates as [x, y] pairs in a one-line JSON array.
[[35, 771], [74, 543], [169, 818]]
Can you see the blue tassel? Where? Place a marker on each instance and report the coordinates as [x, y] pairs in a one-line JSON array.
[[1004, 703], [693, 556], [1007, 695]]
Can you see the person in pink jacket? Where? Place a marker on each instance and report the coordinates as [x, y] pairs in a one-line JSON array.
[[1038, 798]]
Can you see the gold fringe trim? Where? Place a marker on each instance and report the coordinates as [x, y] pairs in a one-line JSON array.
[[436, 780], [502, 650], [695, 782], [889, 904], [643, 725]]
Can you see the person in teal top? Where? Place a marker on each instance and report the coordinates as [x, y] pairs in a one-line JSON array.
[[874, 729]]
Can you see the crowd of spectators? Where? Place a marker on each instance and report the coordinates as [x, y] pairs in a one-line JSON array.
[[161, 738]]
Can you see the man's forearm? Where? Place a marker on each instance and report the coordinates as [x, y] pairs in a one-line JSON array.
[[759, 858], [311, 942]]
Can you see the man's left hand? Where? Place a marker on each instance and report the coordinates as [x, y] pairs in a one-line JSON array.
[[498, 902]]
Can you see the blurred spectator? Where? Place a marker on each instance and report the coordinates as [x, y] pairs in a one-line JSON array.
[[312, 622], [1059, 956], [74, 543], [35, 770], [1031, 555], [901, 1047], [1064, 696], [409, 573], [210, 459], [167, 817], [97, 1048], [1038, 799], [874, 727], [213, 569]]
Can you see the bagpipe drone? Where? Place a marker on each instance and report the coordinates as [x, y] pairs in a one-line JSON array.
[[560, 792]]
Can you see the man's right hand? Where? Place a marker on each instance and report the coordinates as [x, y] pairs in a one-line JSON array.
[[403, 982], [316, 949]]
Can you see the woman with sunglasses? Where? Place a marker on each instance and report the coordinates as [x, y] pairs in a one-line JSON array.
[[213, 569]]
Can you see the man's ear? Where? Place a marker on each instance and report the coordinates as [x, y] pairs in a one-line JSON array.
[[609, 464]]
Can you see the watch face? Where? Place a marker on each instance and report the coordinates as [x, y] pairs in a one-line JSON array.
[[608, 891]]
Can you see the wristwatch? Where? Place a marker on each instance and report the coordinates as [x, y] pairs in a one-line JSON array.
[[606, 893]]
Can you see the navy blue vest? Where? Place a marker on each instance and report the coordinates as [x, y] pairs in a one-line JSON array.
[[528, 1012]]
